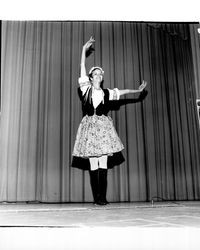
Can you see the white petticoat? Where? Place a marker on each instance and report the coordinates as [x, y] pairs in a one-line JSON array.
[[96, 136]]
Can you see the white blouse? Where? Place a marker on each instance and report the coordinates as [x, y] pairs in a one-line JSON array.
[[97, 94]]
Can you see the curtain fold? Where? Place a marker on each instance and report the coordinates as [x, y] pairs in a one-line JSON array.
[[195, 42], [41, 110]]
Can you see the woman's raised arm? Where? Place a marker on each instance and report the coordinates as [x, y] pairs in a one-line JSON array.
[[86, 46]]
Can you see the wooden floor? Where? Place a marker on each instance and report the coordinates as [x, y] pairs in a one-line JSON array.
[[161, 225]]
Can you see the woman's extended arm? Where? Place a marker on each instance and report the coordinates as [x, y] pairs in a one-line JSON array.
[[129, 91], [86, 46]]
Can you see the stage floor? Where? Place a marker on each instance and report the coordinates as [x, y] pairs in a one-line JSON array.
[[138, 214], [78, 215], [123, 226]]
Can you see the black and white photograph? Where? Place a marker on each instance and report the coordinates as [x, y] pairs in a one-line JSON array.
[[99, 133]]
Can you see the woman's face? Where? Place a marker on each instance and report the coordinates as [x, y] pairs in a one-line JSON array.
[[97, 75]]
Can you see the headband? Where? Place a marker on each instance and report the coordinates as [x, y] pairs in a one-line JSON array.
[[96, 67]]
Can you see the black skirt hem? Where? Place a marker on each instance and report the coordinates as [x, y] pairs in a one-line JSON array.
[[83, 163]]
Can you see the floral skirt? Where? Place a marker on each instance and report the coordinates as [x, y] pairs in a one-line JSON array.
[[96, 136]]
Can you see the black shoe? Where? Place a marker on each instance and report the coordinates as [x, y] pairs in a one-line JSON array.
[[101, 203]]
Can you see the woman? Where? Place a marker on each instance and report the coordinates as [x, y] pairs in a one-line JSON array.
[[97, 138]]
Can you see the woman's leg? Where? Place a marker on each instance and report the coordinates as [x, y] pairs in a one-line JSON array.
[[103, 179], [103, 161], [94, 163], [98, 179], [94, 178]]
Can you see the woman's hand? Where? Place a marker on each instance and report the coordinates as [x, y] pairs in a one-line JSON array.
[[89, 43], [142, 86], [86, 46]]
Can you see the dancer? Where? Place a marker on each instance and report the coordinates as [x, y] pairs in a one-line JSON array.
[[96, 138]]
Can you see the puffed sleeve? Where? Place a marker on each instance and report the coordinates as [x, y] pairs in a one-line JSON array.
[[114, 94], [84, 83]]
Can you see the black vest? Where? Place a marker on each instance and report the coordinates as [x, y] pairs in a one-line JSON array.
[[87, 105]]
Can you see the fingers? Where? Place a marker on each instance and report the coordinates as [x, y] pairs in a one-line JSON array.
[[92, 39], [143, 85], [89, 42], [144, 82]]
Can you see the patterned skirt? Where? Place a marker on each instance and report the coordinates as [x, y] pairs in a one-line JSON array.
[[96, 136]]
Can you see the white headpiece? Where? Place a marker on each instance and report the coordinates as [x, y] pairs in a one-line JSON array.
[[96, 67]]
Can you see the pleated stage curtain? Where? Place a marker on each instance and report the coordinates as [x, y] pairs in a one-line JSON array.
[[195, 42], [41, 110]]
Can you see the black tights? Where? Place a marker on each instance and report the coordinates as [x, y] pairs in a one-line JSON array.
[[98, 181]]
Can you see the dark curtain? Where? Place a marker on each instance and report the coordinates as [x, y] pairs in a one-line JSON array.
[[41, 110], [195, 42]]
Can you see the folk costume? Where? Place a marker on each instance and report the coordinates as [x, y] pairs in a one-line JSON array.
[[97, 146]]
